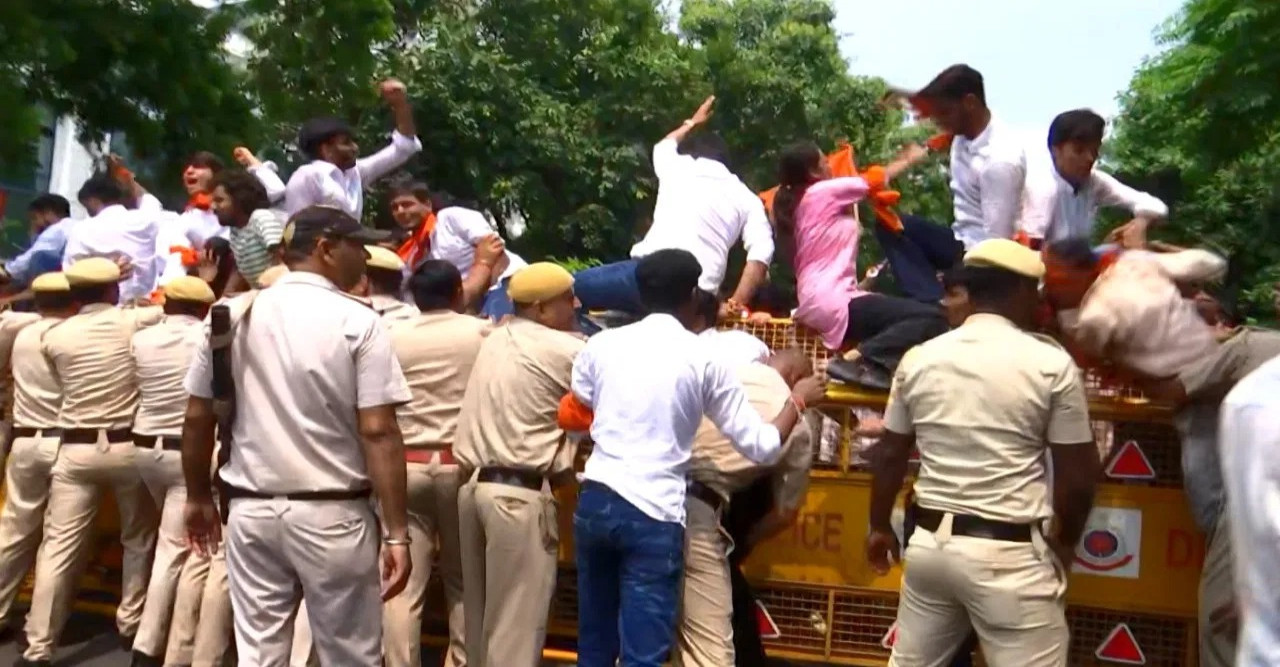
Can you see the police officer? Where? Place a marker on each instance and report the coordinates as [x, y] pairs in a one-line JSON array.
[[508, 435], [314, 436], [161, 357], [34, 450], [437, 350], [386, 278], [716, 472], [11, 322], [981, 403], [87, 352]]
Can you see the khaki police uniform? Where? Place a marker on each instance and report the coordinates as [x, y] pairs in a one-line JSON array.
[[392, 310], [717, 471], [36, 401], [437, 351], [161, 357], [301, 524], [87, 352], [984, 402], [10, 324], [508, 519]]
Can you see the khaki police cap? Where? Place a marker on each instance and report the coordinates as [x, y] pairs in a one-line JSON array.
[[93, 271], [189, 288], [1008, 255], [54, 281], [271, 275], [539, 281], [382, 258]]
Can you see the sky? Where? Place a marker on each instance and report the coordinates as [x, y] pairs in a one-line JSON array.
[[1037, 57]]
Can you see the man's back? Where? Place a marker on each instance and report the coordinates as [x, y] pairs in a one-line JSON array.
[[437, 351], [88, 352], [116, 232], [161, 356]]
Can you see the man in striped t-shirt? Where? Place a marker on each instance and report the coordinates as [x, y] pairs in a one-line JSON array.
[[241, 204]]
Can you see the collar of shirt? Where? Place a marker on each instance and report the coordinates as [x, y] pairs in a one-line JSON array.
[[304, 277], [989, 320], [331, 169], [94, 308], [182, 319], [664, 321], [114, 209]]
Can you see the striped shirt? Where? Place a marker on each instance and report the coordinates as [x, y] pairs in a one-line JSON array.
[[250, 244]]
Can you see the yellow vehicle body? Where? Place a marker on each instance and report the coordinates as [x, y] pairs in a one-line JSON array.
[[1135, 588]]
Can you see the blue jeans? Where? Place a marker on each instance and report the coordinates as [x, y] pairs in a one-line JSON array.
[[629, 574], [609, 287], [497, 304], [917, 254]]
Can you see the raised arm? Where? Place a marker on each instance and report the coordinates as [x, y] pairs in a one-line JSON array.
[[666, 157], [264, 171], [404, 141]]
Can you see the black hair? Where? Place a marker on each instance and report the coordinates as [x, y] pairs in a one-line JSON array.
[[51, 301], [103, 188], [1076, 253], [244, 189], [205, 160], [385, 281], [796, 166], [773, 299], [667, 279], [435, 285], [992, 286], [955, 277], [707, 307], [955, 83], [1082, 125], [706, 146], [92, 293], [51, 203], [439, 200]]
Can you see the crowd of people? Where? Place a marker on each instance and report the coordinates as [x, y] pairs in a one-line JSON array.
[[299, 415]]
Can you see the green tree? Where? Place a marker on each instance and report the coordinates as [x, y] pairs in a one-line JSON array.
[[1200, 125]]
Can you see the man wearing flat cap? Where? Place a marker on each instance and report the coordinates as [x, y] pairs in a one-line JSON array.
[[336, 175], [34, 448], [314, 437], [87, 353], [509, 443], [981, 404], [385, 271], [161, 357]]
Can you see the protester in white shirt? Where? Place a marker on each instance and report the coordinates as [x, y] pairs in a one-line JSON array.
[[703, 208], [433, 229], [1060, 202], [113, 231], [51, 222], [336, 175], [1250, 435], [649, 385], [988, 170]]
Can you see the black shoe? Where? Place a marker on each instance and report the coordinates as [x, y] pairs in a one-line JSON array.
[[860, 373], [126, 643], [141, 659]]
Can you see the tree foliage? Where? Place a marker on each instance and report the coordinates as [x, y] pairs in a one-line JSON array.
[[1200, 124]]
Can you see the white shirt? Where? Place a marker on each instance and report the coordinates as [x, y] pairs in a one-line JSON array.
[[1250, 437], [117, 231], [703, 208], [454, 240], [649, 385], [1053, 209], [306, 359], [987, 175], [323, 183], [735, 348]]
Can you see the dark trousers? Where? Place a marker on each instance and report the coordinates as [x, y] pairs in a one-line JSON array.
[[964, 655], [609, 287], [746, 509], [629, 576], [885, 327], [917, 254]]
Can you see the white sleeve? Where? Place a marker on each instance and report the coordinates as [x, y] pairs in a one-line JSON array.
[[394, 154], [582, 381], [725, 404], [1111, 192], [270, 181], [757, 233], [150, 204], [667, 159]]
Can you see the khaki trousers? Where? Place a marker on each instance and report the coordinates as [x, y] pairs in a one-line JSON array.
[[81, 475], [1014, 594], [280, 551], [1217, 589], [510, 540], [161, 473], [704, 636], [26, 493], [433, 521]]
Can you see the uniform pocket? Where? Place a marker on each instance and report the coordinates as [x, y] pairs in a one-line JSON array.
[[549, 523]]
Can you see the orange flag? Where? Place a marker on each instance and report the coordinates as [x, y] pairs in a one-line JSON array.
[[882, 199]]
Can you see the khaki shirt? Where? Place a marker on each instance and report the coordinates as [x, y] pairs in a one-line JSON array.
[[984, 401], [716, 463], [90, 353], [437, 351], [1211, 377], [161, 356], [509, 411], [10, 324], [36, 396], [391, 309]]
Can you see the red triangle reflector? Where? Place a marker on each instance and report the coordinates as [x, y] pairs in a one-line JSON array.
[[1130, 463], [764, 622], [890, 638], [1121, 647]]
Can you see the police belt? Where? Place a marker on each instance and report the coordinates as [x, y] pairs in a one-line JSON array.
[[89, 436], [167, 443], [525, 478], [706, 494], [233, 492], [974, 526], [33, 432]]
